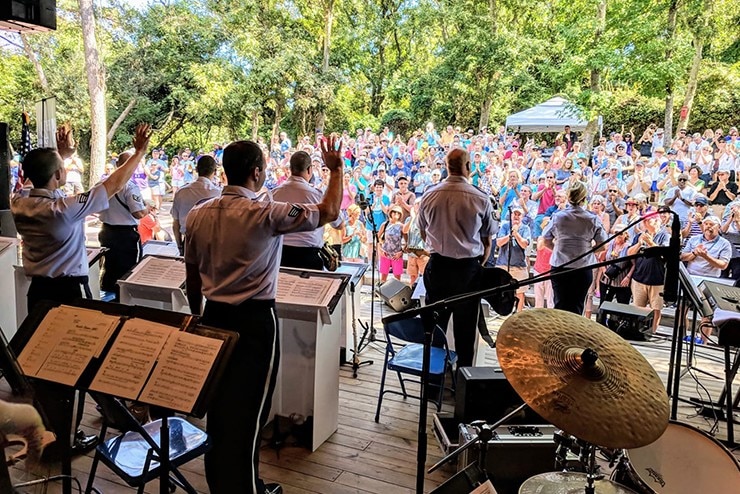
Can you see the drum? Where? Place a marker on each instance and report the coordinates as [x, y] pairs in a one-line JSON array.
[[568, 483], [683, 460]]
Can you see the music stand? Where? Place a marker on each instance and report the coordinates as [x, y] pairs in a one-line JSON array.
[[183, 328]]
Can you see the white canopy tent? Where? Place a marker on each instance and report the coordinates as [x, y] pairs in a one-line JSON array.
[[550, 116]]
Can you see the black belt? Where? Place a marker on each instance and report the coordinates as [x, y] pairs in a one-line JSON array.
[[120, 227]]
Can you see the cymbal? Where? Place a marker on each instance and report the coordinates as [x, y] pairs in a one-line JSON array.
[[583, 378], [568, 483]]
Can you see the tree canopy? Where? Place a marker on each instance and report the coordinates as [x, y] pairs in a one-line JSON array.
[[205, 71]]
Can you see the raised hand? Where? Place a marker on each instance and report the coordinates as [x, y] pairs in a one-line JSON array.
[[332, 153], [141, 137], [65, 141]]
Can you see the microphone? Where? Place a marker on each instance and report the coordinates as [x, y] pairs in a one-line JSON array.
[[670, 286], [361, 201]]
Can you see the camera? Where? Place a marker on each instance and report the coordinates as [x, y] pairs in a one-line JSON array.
[[362, 201]]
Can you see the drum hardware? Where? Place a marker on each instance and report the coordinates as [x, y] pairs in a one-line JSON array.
[[568, 483]]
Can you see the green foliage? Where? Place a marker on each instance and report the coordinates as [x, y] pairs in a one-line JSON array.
[[204, 71], [398, 121]]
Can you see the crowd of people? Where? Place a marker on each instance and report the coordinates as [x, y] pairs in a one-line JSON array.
[[438, 205]]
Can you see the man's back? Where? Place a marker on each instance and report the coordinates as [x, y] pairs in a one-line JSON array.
[[191, 194]]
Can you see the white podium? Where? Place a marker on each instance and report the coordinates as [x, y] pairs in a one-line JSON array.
[[310, 327], [8, 290], [157, 282], [479, 357], [351, 302], [22, 282]]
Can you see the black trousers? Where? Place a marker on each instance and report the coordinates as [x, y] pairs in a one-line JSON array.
[[56, 401], [445, 277], [623, 294], [301, 257], [124, 250], [241, 405], [569, 290]]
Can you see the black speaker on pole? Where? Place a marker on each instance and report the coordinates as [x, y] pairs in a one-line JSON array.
[[396, 295], [28, 15]]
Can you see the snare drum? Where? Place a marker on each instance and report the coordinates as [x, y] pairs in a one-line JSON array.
[[683, 460]]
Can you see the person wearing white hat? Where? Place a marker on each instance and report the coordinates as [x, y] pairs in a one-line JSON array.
[[390, 234], [707, 254], [512, 240]]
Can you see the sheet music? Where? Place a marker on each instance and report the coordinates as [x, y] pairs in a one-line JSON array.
[[316, 290], [131, 358], [64, 343], [181, 371], [155, 271]]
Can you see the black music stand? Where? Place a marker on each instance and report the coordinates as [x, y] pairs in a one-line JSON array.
[[186, 323]]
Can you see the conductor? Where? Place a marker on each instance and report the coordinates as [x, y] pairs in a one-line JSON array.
[[455, 222], [232, 257], [52, 227]]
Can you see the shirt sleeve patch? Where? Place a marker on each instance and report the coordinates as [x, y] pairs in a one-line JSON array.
[[295, 211], [82, 198], [136, 198]]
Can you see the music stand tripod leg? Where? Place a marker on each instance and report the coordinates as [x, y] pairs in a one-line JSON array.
[[356, 362]]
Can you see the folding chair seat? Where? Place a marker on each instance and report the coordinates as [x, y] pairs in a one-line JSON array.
[[131, 455], [407, 359]]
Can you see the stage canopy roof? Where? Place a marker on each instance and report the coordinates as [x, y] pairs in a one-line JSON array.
[[550, 116]]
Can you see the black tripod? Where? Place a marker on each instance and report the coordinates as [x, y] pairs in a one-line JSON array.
[[368, 334]]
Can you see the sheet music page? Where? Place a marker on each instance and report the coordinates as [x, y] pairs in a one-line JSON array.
[[181, 371], [64, 343], [317, 290], [154, 271], [131, 358]]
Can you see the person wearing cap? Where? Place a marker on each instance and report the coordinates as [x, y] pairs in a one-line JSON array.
[[301, 249], [390, 183], [696, 217], [631, 214], [403, 197], [707, 254], [232, 257], [379, 205], [639, 182], [399, 168], [514, 151], [658, 140], [456, 223], [624, 159], [422, 179], [722, 192], [570, 234], [390, 250], [52, 228], [648, 275], [512, 239], [680, 198], [478, 168]]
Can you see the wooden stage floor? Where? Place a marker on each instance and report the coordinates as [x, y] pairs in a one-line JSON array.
[[365, 457]]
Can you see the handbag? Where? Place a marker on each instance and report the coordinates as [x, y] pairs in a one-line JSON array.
[[613, 271], [329, 257]]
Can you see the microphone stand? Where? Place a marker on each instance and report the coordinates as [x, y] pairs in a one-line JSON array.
[[511, 243], [374, 260]]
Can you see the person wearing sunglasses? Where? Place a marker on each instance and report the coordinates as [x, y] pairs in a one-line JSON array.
[[681, 198]]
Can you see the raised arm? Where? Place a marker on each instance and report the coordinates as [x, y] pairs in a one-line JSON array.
[[329, 206], [116, 181]]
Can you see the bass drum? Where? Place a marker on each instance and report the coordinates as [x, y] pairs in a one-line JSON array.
[[684, 460]]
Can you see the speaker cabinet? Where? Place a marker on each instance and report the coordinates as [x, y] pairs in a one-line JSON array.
[[28, 15], [483, 393], [396, 295]]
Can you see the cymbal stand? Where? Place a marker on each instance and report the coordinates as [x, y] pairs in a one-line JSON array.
[[588, 455]]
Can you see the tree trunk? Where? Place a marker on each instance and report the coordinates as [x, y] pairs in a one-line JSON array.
[[276, 124], [96, 90], [328, 21], [36, 64], [688, 100], [485, 112], [255, 124], [119, 120], [670, 36], [588, 136], [493, 15]]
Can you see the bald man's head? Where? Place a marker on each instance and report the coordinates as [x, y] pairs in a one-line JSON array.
[[458, 162]]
